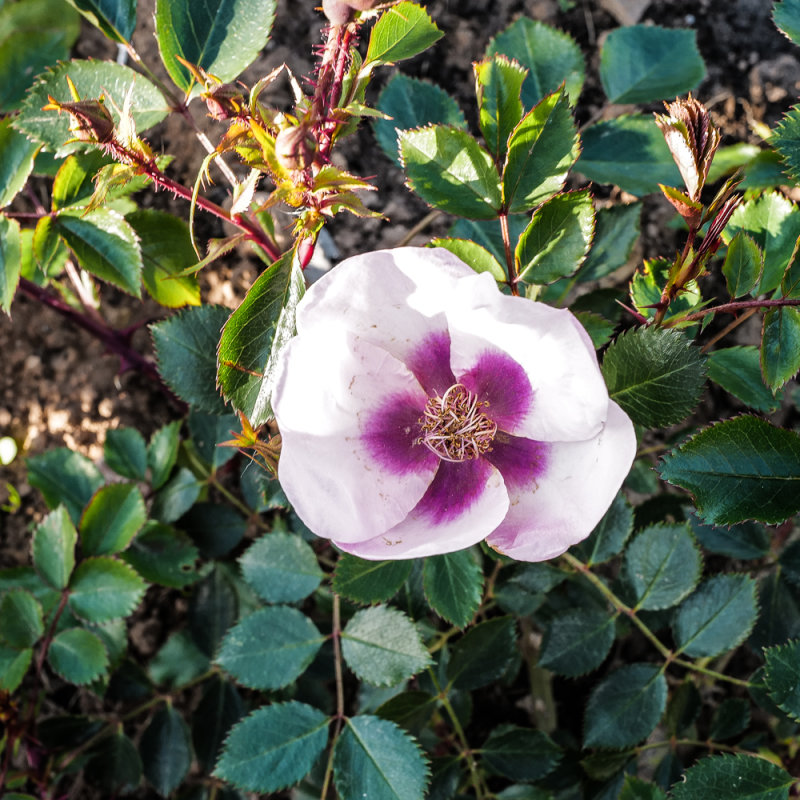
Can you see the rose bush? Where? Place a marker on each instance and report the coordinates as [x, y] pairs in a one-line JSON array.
[[421, 410]]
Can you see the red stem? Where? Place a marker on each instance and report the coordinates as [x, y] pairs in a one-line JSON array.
[[733, 308]]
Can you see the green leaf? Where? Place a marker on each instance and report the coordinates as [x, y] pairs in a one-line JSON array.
[[473, 255], [177, 662], [16, 159], [254, 336], [402, 32], [125, 452], [638, 789], [655, 375], [786, 16], [74, 182], [609, 536], [215, 528], [374, 758], [730, 719], [270, 648], [450, 171], [218, 711], [616, 232], [498, 83], [13, 666], [557, 240], [662, 566], [453, 585], [166, 251], [625, 707], [527, 588], [221, 36], [488, 233], [186, 350], [162, 453], [717, 617], [104, 588], [520, 754], [783, 677], [49, 251], [54, 548], [64, 476], [629, 152], [734, 777], [577, 641], [746, 541], [281, 567], [738, 371], [743, 468], [369, 582], [551, 57], [112, 519], [643, 63], [273, 748], [78, 656], [116, 18], [382, 646], [115, 764], [165, 750], [208, 432], [162, 555], [412, 103], [92, 79], [21, 622], [410, 710], [779, 612], [790, 562], [104, 244], [483, 654], [780, 345], [743, 265], [773, 222], [10, 261], [213, 609], [541, 150], [647, 285], [786, 138], [600, 329], [176, 497]]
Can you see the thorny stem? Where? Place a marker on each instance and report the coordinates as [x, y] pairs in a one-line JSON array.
[[45, 646], [740, 305], [337, 665], [512, 271], [682, 278]]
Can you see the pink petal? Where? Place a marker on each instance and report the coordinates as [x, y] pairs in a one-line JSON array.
[[570, 398], [331, 406], [571, 496], [464, 503]]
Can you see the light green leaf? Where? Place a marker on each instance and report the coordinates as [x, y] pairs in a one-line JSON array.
[[629, 152], [743, 265], [16, 159], [10, 261], [616, 232], [412, 103], [13, 666], [483, 654], [369, 582], [402, 32], [374, 758], [21, 622], [474, 255], [783, 677], [64, 476], [176, 496], [116, 18], [186, 347], [177, 662], [54, 548], [643, 63], [648, 283], [786, 137], [162, 453], [270, 648], [165, 750], [450, 171], [112, 519], [577, 641], [273, 748], [488, 233], [382, 646], [520, 754], [743, 468], [557, 240], [453, 585], [50, 254], [541, 150], [662, 566], [162, 555], [78, 656], [738, 371], [125, 452], [104, 588], [104, 244], [625, 707], [717, 617], [551, 57], [281, 567], [655, 375], [780, 346], [221, 36], [91, 78], [734, 777], [255, 335], [498, 83]]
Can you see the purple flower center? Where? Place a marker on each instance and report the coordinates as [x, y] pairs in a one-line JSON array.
[[454, 427]]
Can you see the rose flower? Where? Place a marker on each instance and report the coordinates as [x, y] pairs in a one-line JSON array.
[[421, 410]]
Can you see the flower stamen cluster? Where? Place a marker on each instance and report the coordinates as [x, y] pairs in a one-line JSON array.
[[455, 428]]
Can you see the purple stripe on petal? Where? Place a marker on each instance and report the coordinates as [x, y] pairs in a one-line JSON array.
[[453, 490], [499, 380], [430, 363], [391, 435], [521, 461]]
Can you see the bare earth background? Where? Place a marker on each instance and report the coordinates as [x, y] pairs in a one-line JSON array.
[[58, 387]]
